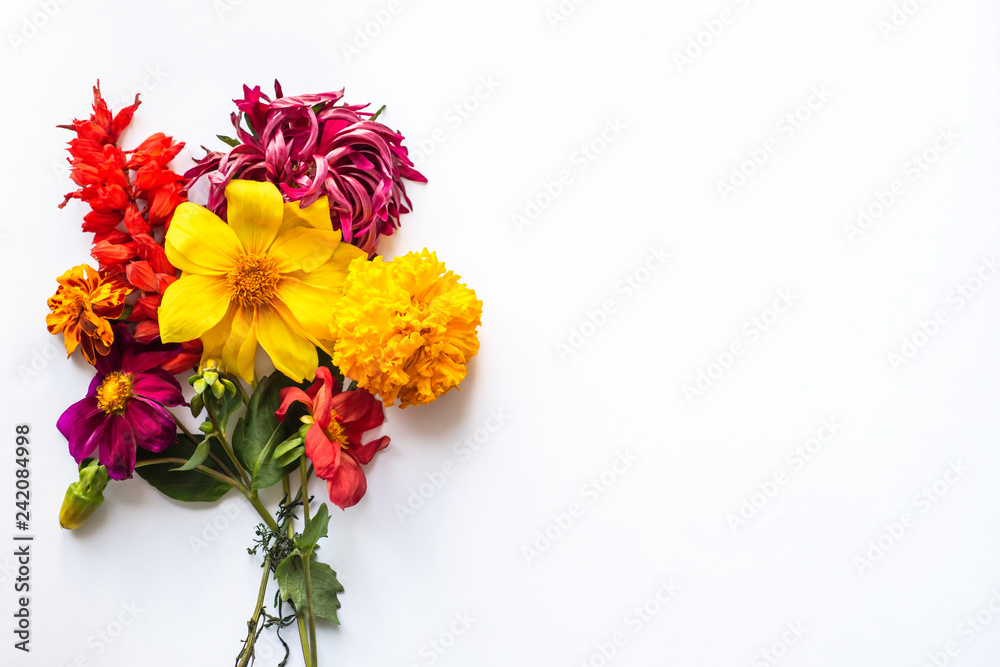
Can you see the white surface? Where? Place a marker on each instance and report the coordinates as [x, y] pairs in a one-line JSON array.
[[655, 186]]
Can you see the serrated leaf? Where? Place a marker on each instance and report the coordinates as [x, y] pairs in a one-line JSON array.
[[315, 530], [229, 141], [292, 583], [259, 432], [188, 485], [201, 453]]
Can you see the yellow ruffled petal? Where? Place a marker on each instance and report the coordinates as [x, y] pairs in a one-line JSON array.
[[291, 353], [315, 216], [199, 242], [303, 249], [255, 211], [191, 306], [241, 347]]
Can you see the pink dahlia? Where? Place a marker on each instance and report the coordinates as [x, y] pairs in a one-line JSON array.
[[126, 405], [311, 146]]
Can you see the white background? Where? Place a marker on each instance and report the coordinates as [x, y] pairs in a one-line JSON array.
[[654, 185]]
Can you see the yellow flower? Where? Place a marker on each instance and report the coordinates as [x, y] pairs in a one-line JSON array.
[[268, 276], [405, 329]]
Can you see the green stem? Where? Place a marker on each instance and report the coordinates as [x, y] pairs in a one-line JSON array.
[[252, 631], [305, 560], [261, 510], [243, 393], [215, 458], [235, 483], [221, 434], [300, 620]]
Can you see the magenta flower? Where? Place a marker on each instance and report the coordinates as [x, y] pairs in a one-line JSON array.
[[125, 405], [311, 146]]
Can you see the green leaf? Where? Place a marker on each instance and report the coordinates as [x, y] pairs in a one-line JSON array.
[[259, 432], [315, 530], [292, 582], [200, 454], [288, 445], [229, 141], [290, 457], [190, 485]]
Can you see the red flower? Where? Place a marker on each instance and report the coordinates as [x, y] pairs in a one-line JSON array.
[[338, 420], [132, 195]]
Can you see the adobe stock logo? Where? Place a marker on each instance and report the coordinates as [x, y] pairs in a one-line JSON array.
[[626, 287], [787, 127], [923, 501], [752, 330]]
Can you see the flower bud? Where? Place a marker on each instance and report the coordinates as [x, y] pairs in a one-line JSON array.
[[84, 496]]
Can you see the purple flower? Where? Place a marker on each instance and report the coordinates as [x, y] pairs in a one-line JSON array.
[[310, 146], [124, 406]]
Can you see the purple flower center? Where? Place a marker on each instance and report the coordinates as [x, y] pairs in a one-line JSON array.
[[114, 392]]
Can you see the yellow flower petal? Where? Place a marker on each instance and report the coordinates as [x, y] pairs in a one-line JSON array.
[[254, 211], [311, 305], [214, 340], [241, 346], [292, 354], [191, 306], [303, 249], [314, 216], [199, 242], [335, 270]]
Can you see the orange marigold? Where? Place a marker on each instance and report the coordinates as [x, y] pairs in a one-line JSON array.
[[82, 308]]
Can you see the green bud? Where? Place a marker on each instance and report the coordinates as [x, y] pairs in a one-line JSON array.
[[211, 377], [230, 387], [200, 386], [218, 389], [193, 379], [197, 405], [84, 496], [206, 427]]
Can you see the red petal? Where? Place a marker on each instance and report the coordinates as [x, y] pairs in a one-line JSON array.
[[141, 275]]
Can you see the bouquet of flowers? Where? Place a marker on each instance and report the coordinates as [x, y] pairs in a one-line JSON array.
[[281, 256]]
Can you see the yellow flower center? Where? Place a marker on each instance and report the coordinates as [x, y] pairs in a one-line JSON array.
[[114, 392], [253, 281], [335, 431]]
